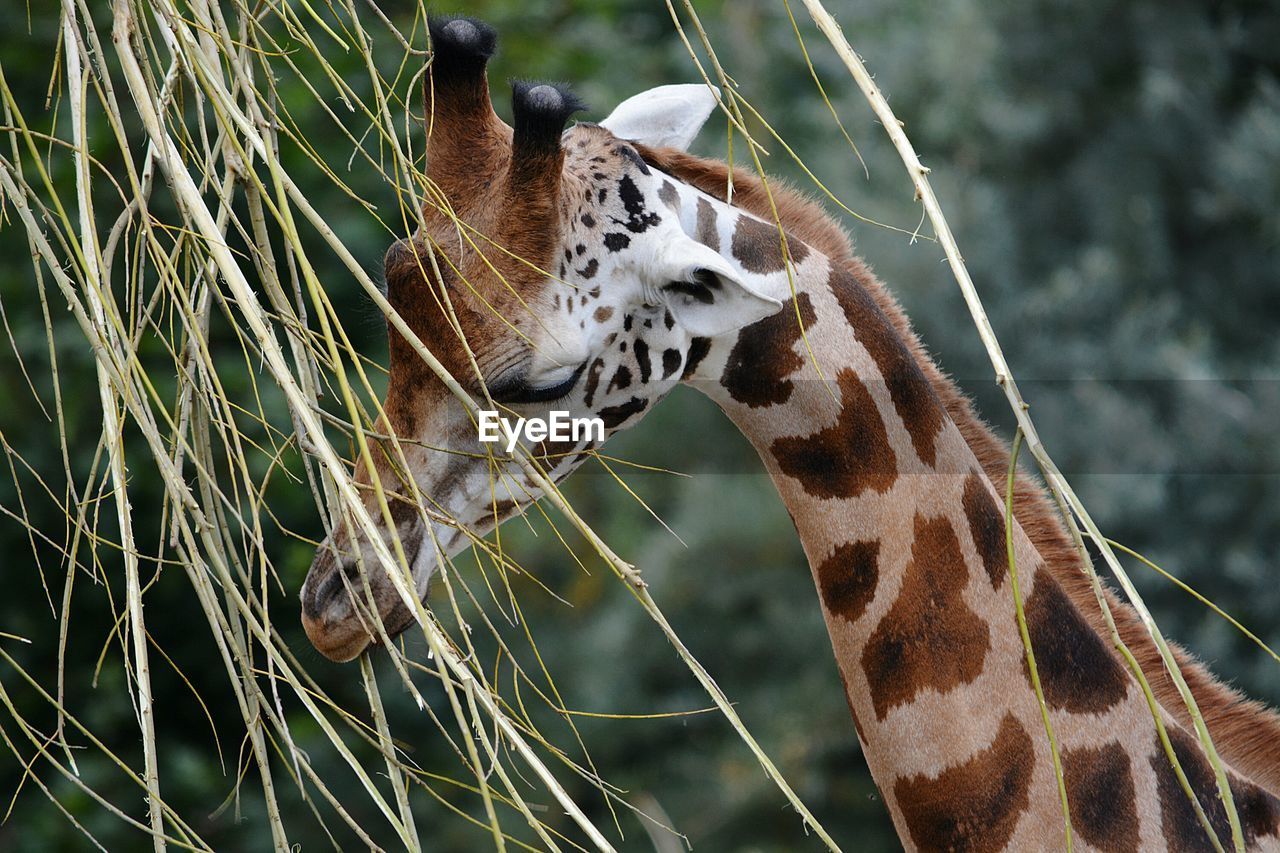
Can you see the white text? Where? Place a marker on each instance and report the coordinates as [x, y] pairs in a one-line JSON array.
[[557, 426]]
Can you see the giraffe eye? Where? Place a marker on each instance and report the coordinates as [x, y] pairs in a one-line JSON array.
[[518, 390]]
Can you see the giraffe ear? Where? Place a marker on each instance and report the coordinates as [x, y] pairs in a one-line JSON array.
[[704, 294], [667, 116]]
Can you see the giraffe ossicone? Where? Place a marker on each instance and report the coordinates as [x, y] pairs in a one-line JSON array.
[[590, 271]]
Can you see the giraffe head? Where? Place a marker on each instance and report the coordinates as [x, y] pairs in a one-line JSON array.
[[555, 270]]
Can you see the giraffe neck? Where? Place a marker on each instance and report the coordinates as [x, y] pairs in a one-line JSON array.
[[905, 536]]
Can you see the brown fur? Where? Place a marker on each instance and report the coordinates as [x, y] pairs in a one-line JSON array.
[[508, 190], [930, 638], [1245, 732], [1100, 792], [912, 395], [765, 356], [847, 578], [1259, 812], [758, 247], [986, 524], [822, 462], [707, 234], [1077, 670], [973, 806]]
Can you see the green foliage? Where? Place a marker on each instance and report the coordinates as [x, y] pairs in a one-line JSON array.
[[1111, 173]]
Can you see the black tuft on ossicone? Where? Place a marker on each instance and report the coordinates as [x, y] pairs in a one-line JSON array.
[[540, 111], [460, 46]]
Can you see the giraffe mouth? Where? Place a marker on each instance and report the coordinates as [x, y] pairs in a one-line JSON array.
[[397, 618], [340, 618], [394, 622]]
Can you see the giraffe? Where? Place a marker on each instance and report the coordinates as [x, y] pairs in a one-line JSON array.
[[628, 271]]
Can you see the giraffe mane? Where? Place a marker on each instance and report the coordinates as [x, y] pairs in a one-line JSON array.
[[1245, 731]]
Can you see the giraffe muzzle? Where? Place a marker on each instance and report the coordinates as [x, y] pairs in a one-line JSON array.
[[340, 614]]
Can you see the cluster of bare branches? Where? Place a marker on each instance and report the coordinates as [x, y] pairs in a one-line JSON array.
[[184, 101]]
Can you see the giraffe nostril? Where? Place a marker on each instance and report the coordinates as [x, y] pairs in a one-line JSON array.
[[319, 597]]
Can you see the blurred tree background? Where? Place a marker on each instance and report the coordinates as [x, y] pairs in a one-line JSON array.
[[1112, 172]]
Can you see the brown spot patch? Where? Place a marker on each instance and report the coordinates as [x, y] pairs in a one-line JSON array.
[[974, 806], [913, 397], [641, 351], [1259, 811], [764, 356], [602, 314], [847, 458], [847, 578], [615, 416], [1100, 794], [1077, 671], [758, 246], [698, 349], [593, 379], [621, 379], [670, 362], [668, 195], [986, 525], [706, 233], [929, 638], [501, 509]]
